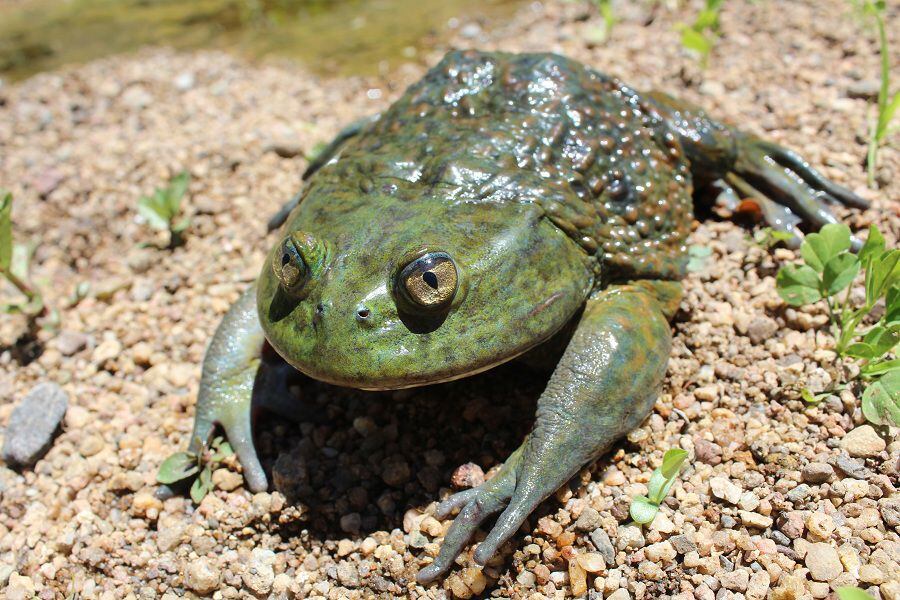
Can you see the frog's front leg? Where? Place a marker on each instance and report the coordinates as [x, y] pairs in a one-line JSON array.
[[226, 387], [604, 385]]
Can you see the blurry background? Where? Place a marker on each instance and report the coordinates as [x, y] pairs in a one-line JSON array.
[[359, 37]]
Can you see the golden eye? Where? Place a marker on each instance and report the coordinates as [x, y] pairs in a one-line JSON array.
[[289, 266], [430, 281]]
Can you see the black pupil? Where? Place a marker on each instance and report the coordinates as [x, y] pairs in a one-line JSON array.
[[285, 259], [431, 279]]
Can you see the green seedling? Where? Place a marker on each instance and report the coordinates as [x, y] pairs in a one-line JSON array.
[[15, 261], [828, 270], [850, 592], [701, 35], [184, 465], [768, 238], [887, 104], [605, 7], [161, 210], [643, 509]]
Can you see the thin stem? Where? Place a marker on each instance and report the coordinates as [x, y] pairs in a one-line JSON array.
[[22, 285], [836, 324], [27, 290], [879, 126]]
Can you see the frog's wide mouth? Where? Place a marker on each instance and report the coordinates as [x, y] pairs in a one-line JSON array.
[[418, 378]]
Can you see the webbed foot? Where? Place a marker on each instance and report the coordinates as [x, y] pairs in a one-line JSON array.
[[788, 190]]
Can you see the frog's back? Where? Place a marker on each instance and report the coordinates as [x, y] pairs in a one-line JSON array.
[[495, 127]]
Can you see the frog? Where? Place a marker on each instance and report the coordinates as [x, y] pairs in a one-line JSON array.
[[506, 206]]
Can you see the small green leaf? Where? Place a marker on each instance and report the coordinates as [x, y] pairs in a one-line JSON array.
[[177, 467], [672, 461], [175, 191], [887, 115], [696, 41], [20, 264], [225, 450], [849, 592], [769, 238], [874, 246], [874, 369], [6, 243], [860, 350], [798, 285], [818, 248], [656, 487], [181, 225], [839, 272], [882, 340], [881, 275], [201, 486], [153, 213], [642, 510], [892, 305], [807, 396], [881, 400], [316, 151]]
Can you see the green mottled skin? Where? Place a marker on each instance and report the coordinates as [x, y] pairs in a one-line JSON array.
[[564, 199]]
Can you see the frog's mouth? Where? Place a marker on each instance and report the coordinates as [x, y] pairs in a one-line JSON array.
[[415, 380]]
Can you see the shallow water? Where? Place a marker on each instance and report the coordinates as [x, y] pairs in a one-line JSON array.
[[332, 36]]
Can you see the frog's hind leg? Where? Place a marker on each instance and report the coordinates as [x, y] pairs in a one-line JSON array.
[[226, 387], [788, 190], [330, 151], [604, 385]]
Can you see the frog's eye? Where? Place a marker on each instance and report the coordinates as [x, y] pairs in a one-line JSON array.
[[289, 266], [429, 281]]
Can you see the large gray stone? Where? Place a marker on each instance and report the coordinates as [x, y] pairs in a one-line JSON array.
[[33, 424]]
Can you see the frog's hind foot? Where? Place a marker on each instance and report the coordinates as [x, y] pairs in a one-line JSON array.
[[787, 189]]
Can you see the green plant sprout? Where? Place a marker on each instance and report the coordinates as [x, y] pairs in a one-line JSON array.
[[643, 509], [851, 592], [15, 260], [887, 105], [605, 7], [768, 238], [162, 208], [830, 268], [182, 465], [701, 35]]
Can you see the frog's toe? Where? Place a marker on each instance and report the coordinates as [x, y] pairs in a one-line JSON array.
[[791, 160], [239, 432], [476, 504], [788, 190]]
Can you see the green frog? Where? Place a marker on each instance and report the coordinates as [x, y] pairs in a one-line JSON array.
[[507, 205]]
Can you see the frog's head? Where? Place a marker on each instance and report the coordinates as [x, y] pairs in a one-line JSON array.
[[389, 293]]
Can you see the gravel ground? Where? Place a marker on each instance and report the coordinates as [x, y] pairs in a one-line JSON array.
[[779, 500]]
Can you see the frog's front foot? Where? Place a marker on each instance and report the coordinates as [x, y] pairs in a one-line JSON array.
[[604, 385], [787, 189]]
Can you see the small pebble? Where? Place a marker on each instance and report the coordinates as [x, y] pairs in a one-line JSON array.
[[863, 442], [33, 424]]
